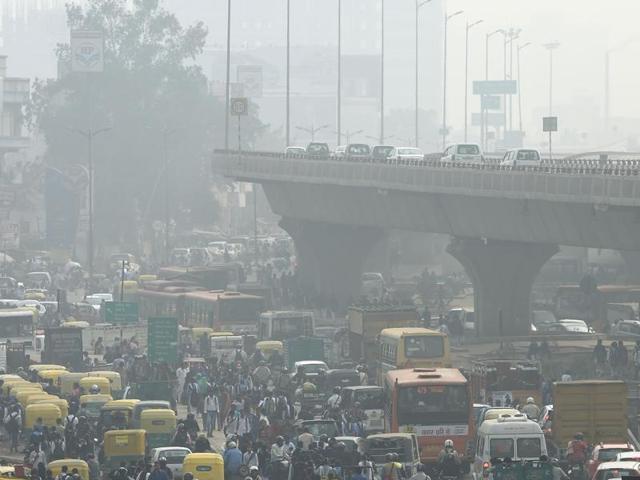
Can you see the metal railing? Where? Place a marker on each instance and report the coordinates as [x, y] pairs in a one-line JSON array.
[[601, 187]]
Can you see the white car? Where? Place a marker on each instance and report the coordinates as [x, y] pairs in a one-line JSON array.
[[463, 153], [339, 152], [217, 248], [175, 457], [522, 157], [310, 368], [96, 299], [405, 154], [295, 151]]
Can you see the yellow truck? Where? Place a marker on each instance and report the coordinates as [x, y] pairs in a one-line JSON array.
[[597, 408]]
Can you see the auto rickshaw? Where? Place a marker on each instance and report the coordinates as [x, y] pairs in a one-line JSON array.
[[198, 332], [38, 396], [46, 366], [48, 412], [92, 404], [10, 376], [146, 278], [204, 466], [13, 472], [103, 384], [71, 463], [61, 403], [66, 381], [22, 394], [116, 414], [160, 425], [53, 375], [267, 347], [122, 446], [114, 379], [8, 385]]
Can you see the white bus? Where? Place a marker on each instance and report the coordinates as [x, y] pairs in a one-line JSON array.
[[279, 325], [224, 347], [17, 325]]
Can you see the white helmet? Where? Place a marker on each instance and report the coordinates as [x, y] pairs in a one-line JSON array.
[[94, 390], [530, 400], [448, 444]]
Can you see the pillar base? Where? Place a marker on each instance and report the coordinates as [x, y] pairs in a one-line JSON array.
[[502, 273], [331, 257]]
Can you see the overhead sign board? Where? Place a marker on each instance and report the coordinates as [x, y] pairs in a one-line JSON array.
[[490, 102], [495, 87], [162, 340], [121, 313], [549, 124], [87, 51], [239, 106]]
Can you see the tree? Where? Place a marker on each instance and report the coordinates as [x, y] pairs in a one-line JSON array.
[[156, 101]]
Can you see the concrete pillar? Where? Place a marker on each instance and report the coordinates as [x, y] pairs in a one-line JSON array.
[[632, 266], [502, 273], [331, 257]]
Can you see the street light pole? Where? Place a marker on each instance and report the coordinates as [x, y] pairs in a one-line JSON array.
[[551, 47], [520, 48], [228, 85], [288, 113], [348, 134], [485, 114], [444, 83], [419, 4], [339, 107], [466, 76], [313, 130], [382, 72], [514, 34]]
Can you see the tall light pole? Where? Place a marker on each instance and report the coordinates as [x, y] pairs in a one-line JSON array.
[[348, 134], [339, 106], [419, 4], [520, 48], [288, 113], [466, 75], [485, 115], [551, 47], [382, 72], [514, 34], [313, 130], [444, 83], [228, 81]]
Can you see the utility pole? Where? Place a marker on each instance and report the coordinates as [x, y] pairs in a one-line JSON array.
[[339, 107], [551, 47], [228, 82], [466, 76], [288, 114], [444, 83], [520, 48], [382, 73], [485, 114], [419, 4]]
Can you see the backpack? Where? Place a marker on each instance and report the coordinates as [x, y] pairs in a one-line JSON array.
[[12, 423]]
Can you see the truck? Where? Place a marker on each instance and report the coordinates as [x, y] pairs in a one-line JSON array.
[[303, 348], [597, 408], [367, 321]]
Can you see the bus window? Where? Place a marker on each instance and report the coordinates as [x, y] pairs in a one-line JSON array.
[[448, 401], [424, 346]]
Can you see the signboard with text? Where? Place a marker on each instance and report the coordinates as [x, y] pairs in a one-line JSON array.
[[87, 51], [121, 313], [162, 340], [549, 124], [63, 346], [495, 87]]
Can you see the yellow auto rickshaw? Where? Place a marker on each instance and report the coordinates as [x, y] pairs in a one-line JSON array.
[[51, 375], [204, 466], [61, 403], [116, 414], [123, 446], [8, 385], [267, 347], [92, 404], [221, 334], [22, 394], [38, 396], [45, 366], [160, 425], [66, 381], [48, 412], [114, 379], [71, 463], [146, 278], [10, 376], [101, 382], [76, 324]]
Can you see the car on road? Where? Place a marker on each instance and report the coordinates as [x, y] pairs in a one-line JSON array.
[[310, 368], [295, 151], [175, 457], [318, 150], [605, 452], [357, 152], [609, 470], [628, 456], [463, 153], [319, 427], [380, 153], [626, 328], [566, 326], [540, 318], [522, 157], [403, 154]]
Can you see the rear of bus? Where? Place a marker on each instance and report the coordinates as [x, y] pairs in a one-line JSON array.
[[435, 404]]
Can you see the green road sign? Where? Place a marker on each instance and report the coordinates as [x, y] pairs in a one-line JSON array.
[[162, 339], [121, 313]]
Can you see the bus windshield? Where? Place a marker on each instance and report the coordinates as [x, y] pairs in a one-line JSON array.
[[17, 323], [416, 403], [424, 346], [291, 327]]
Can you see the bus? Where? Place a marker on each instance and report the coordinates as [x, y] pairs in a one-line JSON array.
[[279, 325], [411, 347], [162, 298], [223, 311], [17, 325], [433, 403]]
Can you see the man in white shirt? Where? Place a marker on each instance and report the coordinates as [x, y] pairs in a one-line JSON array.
[[305, 439], [181, 376], [211, 409]]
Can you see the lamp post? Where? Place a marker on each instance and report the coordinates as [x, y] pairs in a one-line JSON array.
[[348, 134], [485, 119], [339, 103], [228, 80], [382, 72], [551, 47], [419, 4], [444, 92], [288, 106], [513, 35], [466, 75], [313, 130], [520, 48]]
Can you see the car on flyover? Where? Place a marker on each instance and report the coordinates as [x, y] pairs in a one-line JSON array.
[[522, 157], [358, 152], [406, 154], [318, 150], [380, 153], [295, 152], [469, 153]]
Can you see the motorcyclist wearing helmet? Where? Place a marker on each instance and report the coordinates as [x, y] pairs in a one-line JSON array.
[[577, 450], [94, 390], [334, 401], [531, 410], [163, 466], [449, 460], [392, 469]]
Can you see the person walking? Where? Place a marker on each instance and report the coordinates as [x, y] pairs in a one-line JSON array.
[[211, 412]]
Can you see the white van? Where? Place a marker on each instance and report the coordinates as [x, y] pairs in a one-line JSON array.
[[512, 436]]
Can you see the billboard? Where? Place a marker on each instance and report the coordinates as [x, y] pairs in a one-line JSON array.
[[63, 346]]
